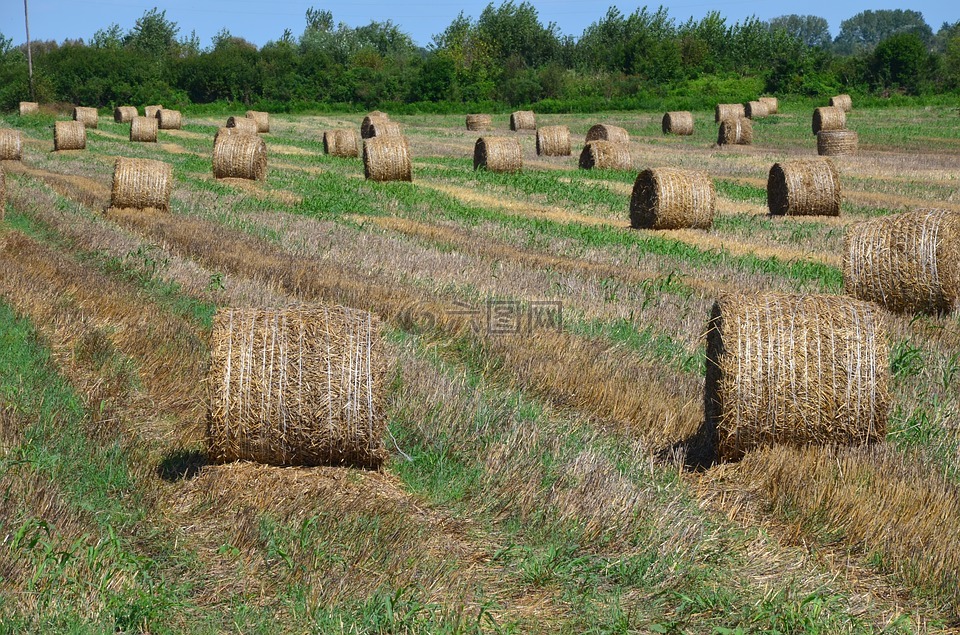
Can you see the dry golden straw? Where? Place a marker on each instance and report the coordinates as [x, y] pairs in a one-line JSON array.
[[384, 128], [829, 118], [144, 129], [340, 143], [224, 131], [479, 122], [755, 110], [907, 262], [728, 111], [124, 114], [29, 108], [794, 370], [367, 126], [87, 116], [69, 135], [11, 145], [239, 155], [141, 184], [843, 102], [603, 132], [804, 187], [553, 141], [169, 119], [151, 111], [262, 119], [737, 131], [387, 159], [667, 198], [677, 122], [3, 194], [837, 142], [243, 124], [498, 154], [773, 106], [605, 155], [297, 386], [523, 120]]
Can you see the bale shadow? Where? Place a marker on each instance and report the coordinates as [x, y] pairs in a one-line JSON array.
[[182, 465]]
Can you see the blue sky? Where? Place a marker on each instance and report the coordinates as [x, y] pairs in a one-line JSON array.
[[263, 20]]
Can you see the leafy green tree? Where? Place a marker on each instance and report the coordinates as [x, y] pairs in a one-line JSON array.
[[900, 62], [153, 35], [514, 31], [812, 30], [865, 30]]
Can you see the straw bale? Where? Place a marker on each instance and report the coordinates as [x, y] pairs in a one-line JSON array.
[[678, 122], [523, 120], [804, 187], [370, 123], [837, 142], [603, 132], [3, 194], [794, 370], [141, 184], [387, 159], [262, 119], [151, 111], [340, 143], [498, 154], [843, 102], [829, 118], [728, 111], [605, 155], [755, 110], [87, 116], [479, 122], [553, 141], [773, 106], [239, 155], [69, 135], [144, 129], [169, 119], [124, 114], [667, 198], [384, 128], [737, 131], [11, 145], [243, 124], [907, 262], [297, 386], [29, 108]]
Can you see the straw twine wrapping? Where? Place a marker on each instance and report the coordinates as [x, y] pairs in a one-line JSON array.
[[124, 114], [239, 155], [169, 119], [262, 119], [755, 110], [678, 122], [667, 198], [804, 187], [829, 118], [906, 262], [498, 154], [387, 159], [843, 102], [837, 142], [11, 145], [368, 123], [297, 386], [773, 106], [479, 122], [29, 108], [553, 141], [728, 111], [603, 132], [794, 370], [144, 129], [737, 131], [340, 143], [151, 111], [605, 155], [523, 120], [69, 135], [87, 116], [3, 194], [243, 124], [141, 184]]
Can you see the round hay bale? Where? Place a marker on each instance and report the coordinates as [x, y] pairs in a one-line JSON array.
[[151, 111], [144, 129], [667, 198], [603, 132], [378, 113], [243, 124], [369, 122], [498, 154], [678, 122], [553, 141], [141, 184], [262, 120], [837, 142], [29, 108], [829, 118], [169, 119], [318, 399], [907, 262], [87, 116], [755, 110], [239, 155], [773, 105], [223, 131], [795, 370], [387, 159], [11, 145], [804, 187], [479, 122], [844, 102], [605, 155], [737, 131], [523, 120], [384, 128], [3, 194], [69, 135], [340, 143], [124, 114], [728, 111]]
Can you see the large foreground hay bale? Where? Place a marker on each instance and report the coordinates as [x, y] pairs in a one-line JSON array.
[[837, 142], [667, 198], [755, 110], [523, 120], [387, 159], [169, 119], [124, 114], [262, 119], [605, 155], [907, 262], [553, 141], [69, 135], [804, 187], [844, 102], [144, 129], [87, 116], [794, 370], [340, 143], [151, 111], [603, 132], [297, 386], [141, 184], [829, 118], [367, 126], [479, 122], [243, 124], [773, 106], [29, 108], [728, 111], [239, 155], [498, 154], [678, 122], [11, 145], [737, 131]]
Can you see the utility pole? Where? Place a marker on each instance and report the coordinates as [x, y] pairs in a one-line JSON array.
[[26, 19]]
